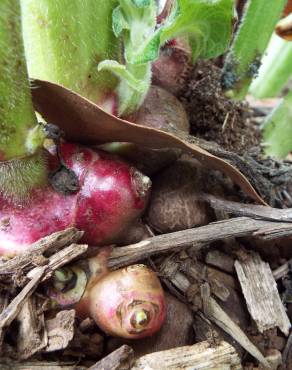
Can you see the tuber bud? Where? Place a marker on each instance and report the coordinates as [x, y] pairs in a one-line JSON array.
[[127, 303]]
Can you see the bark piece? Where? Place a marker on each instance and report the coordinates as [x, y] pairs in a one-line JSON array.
[[8, 364], [60, 330], [261, 293], [59, 259], [221, 260], [176, 241], [120, 359], [50, 243], [199, 356], [217, 315], [32, 336], [14, 307]]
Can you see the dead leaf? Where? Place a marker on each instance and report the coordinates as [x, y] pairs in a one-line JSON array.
[[86, 123]]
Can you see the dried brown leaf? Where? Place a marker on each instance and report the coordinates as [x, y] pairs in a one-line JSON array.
[[84, 122]]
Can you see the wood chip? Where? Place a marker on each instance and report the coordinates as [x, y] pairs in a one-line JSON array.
[[217, 315], [32, 336], [199, 356], [261, 294], [60, 330], [59, 259], [8, 364], [52, 242], [120, 359], [176, 241]]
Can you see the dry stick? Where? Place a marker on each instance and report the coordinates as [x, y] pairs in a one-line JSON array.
[[14, 307], [52, 242], [249, 210], [59, 259], [282, 270], [173, 242], [120, 359], [217, 315], [8, 364]]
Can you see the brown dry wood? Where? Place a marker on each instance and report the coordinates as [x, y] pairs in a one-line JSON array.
[[85, 122], [198, 356], [261, 294], [120, 359], [60, 330], [59, 259], [173, 242], [171, 270], [221, 260], [249, 210], [216, 314], [32, 336], [14, 307], [282, 270], [50, 243], [8, 364]]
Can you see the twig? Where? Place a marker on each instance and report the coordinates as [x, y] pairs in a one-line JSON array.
[[120, 359], [59, 259], [52, 242], [249, 210], [173, 242], [14, 307]]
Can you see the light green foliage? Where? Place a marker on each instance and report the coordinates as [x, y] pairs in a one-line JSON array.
[[206, 24], [275, 71], [250, 42], [277, 130], [66, 39], [17, 118]]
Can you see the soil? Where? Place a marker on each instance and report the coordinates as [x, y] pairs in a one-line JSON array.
[[213, 116]]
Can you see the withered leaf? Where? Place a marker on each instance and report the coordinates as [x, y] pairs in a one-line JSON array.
[[84, 122]]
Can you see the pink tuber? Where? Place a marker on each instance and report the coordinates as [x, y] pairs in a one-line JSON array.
[[111, 195], [127, 303]]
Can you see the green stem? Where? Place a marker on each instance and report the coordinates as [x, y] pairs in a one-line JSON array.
[[243, 59], [19, 134], [65, 41], [277, 129], [275, 71]]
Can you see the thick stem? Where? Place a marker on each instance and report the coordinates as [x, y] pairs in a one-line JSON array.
[[19, 134], [65, 40], [277, 131], [244, 57], [275, 71]]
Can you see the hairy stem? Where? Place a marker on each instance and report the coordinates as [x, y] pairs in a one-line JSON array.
[[65, 40], [19, 133], [277, 130], [244, 57], [275, 71]]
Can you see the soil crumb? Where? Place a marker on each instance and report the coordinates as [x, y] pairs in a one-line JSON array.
[[213, 116]]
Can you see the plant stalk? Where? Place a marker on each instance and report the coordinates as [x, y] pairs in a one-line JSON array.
[[20, 134], [65, 41], [277, 129], [22, 165], [244, 57], [276, 69]]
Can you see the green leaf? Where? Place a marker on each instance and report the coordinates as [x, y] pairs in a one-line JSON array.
[[277, 129], [141, 3], [119, 23], [206, 23], [121, 71]]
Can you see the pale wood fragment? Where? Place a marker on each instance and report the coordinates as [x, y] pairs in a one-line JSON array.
[[196, 237], [202, 356], [261, 294], [50, 243], [60, 330], [32, 336], [120, 359], [217, 315]]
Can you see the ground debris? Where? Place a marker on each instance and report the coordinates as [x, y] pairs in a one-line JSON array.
[[261, 293]]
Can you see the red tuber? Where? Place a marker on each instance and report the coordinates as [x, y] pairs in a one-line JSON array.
[[111, 195], [127, 303]]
